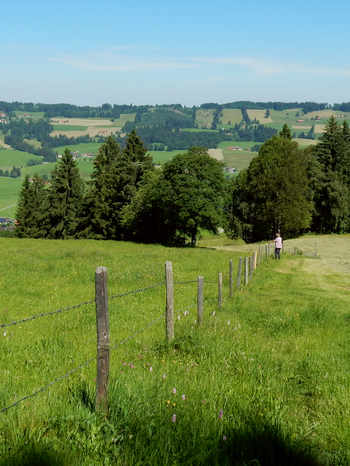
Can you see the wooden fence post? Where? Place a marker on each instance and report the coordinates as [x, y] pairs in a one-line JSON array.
[[246, 270], [102, 325], [250, 267], [200, 300], [231, 278], [239, 273], [220, 289], [169, 312], [255, 259]]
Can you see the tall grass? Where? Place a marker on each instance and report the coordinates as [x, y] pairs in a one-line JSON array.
[[264, 381]]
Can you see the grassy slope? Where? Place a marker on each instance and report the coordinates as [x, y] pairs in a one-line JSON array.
[[274, 359], [12, 157], [237, 159]]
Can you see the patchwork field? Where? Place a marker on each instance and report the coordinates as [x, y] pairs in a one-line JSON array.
[[229, 117], [305, 142], [29, 115], [259, 115], [204, 118], [75, 127], [216, 154]]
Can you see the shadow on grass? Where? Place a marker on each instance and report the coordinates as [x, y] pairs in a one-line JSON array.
[[264, 446], [35, 454]]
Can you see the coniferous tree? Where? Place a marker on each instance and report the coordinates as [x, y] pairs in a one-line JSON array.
[[285, 132], [65, 198], [32, 211], [332, 194], [112, 187], [137, 153]]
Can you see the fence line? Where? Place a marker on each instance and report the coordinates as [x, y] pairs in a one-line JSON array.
[[258, 257]]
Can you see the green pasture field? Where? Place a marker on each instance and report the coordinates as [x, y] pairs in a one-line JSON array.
[[199, 130], [305, 142], [33, 142], [69, 128], [12, 157], [230, 116], [9, 190], [161, 156], [204, 118], [237, 159], [264, 381], [86, 147], [32, 115]]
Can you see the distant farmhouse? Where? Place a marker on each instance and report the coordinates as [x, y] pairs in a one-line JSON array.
[[77, 155]]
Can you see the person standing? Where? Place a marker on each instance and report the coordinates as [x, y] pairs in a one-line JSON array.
[[278, 245]]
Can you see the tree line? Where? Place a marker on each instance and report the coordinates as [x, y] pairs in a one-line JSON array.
[[285, 188], [126, 198]]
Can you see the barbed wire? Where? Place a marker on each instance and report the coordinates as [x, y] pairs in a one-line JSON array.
[[45, 314], [139, 290], [48, 385], [76, 369]]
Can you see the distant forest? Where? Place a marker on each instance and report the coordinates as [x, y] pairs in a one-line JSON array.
[[114, 111]]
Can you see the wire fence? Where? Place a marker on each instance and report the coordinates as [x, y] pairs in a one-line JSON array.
[[238, 281]]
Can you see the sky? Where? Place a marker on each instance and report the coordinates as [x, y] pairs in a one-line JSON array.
[[187, 52]]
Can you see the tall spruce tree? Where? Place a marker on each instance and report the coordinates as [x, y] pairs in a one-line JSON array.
[[65, 198], [137, 153], [332, 193], [32, 211], [112, 187], [285, 132]]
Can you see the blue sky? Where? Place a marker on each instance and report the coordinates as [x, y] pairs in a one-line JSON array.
[[188, 52]]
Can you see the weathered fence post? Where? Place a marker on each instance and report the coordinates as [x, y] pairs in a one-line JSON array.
[[102, 326], [200, 300], [231, 278], [250, 267], [220, 289], [255, 259], [239, 273], [246, 270], [169, 312]]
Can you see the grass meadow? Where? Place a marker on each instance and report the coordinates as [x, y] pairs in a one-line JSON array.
[[230, 116], [237, 159], [264, 381], [12, 157], [204, 118]]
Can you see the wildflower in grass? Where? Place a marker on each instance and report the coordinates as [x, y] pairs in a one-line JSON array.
[[173, 418], [186, 313], [183, 397], [221, 414], [151, 369], [204, 402], [174, 391], [132, 365], [213, 314], [228, 322], [168, 402], [124, 363], [174, 404], [224, 438], [164, 376], [4, 334], [178, 317]]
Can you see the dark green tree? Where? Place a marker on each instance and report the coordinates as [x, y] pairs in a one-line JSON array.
[[112, 187], [332, 192], [137, 154], [274, 194], [65, 198], [32, 210], [285, 132]]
